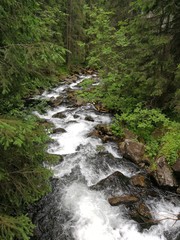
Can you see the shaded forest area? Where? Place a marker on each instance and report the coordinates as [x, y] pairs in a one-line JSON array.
[[134, 45]]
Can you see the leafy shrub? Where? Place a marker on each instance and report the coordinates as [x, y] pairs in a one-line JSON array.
[[86, 83], [161, 136], [143, 121], [170, 143]]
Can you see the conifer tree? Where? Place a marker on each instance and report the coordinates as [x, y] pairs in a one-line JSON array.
[[31, 56]]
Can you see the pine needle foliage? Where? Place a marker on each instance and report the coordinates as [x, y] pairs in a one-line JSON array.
[[23, 178], [31, 57]]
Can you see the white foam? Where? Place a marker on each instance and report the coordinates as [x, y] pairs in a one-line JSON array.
[[94, 218], [70, 140]]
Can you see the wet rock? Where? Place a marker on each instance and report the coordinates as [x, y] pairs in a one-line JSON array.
[[94, 133], [116, 181], [76, 116], [140, 213], [139, 181], [144, 211], [55, 102], [72, 121], [126, 199], [72, 78], [163, 174], [72, 99], [59, 115], [103, 131], [59, 130], [176, 166], [132, 150], [101, 108], [89, 118], [178, 190], [90, 71]]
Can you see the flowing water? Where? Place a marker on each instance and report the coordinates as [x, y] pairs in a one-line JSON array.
[[74, 210]]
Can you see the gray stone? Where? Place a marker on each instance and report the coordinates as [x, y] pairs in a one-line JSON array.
[[163, 174], [132, 150]]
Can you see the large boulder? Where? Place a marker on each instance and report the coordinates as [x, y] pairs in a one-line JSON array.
[[116, 181], [132, 150], [163, 174]]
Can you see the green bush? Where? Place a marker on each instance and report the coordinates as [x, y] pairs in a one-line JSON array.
[[170, 143], [160, 135]]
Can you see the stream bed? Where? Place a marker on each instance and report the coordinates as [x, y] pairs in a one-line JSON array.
[[78, 207]]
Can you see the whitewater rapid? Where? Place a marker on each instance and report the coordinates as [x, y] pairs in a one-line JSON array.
[[73, 210]]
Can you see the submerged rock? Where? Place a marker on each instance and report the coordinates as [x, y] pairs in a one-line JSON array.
[[59, 115], [89, 118], [141, 214], [59, 130]]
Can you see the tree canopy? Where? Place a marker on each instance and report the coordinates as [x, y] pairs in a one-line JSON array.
[[135, 47]]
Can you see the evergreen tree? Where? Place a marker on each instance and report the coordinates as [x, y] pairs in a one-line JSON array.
[[31, 57], [29, 54], [141, 64], [75, 35]]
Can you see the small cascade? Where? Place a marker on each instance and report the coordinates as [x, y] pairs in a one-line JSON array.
[[92, 172]]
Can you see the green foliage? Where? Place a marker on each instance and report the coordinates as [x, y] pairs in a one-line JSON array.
[[23, 178], [160, 135], [143, 121], [15, 227], [135, 57], [170, 143], [87, 83], [116, 127], [100, 34], [29, 51]]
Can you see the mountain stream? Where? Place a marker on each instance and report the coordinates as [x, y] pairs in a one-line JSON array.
[[76, 209]]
